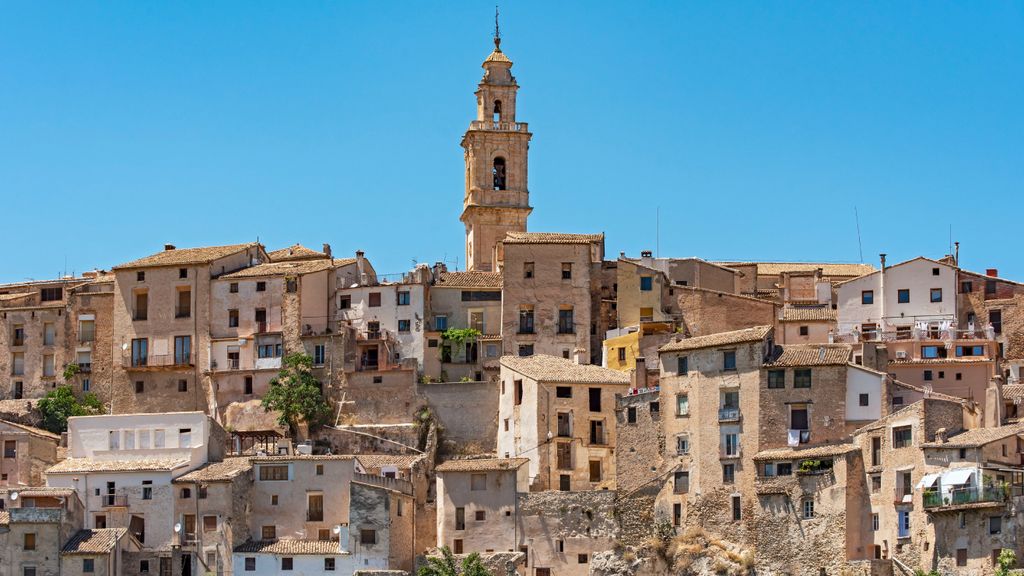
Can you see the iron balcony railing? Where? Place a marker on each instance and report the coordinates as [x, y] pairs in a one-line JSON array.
[[157, 361], [114, 500], [728, 414], [960, 496]]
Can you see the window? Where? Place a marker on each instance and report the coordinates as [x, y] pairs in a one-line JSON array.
[[597, 432], [287, 563], [457, 546], [961, 556], [646, 283], [404, 325], [565, 323], [85, 384], [681, 481], [682, 444], [328, 564], [526, 349], [250, 564], [141, 311], [233, 287], [867, 297], [478, 482], [147, 489], [268, 532], [995, 317], [49, 333], [314, 507], [804, 330], [808, 508], [622, 354], [498, 172], [51, 294], [901, 437], [201, 492], [186, 493], [140, 276], [682, 405], [88, 565], [19, 335], [374, 300], [936, 294], [563, 455], [594, 399], [563, 392], [729, 360], [682, 365], [933, 351], [273, 500], [677, 514], [903, 296], [595, 470], [802, 378], [49, 365], [631, 415], [737, 512], [403, 298], [731, 441], [966, 286], [140, 351], [990, 287], [345, 302], [183, 307], [140, 386], [233, 318], [319, 354], [527, 269], [10, 449], [903, 524], [874, 522], [798, 417], [970, 350], [582, 558], [728, 473], [30, 541], [261, 286], [518, 385], [209, 523], [272, 473], [927, 375], [247, 387], [897, 400], [367, 537], [525, 319], [776, 378], [566, 270], [865, 399], [995, 524]]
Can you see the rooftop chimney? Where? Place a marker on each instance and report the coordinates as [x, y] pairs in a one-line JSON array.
[[577, 356], [882, 258], [327, 249], [622, 255], [993, 272], [646, 254], [640, 374], [168, 246], [956, 254], [359, 267]]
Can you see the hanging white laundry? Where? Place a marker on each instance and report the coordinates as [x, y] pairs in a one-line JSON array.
[[794, 438]]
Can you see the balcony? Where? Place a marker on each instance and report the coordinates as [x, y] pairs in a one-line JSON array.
[[84, 367], [728, 414], [114, 501], [86, 337], [956, 497], [499, 126], [152, 362], [261, 326], [183, 311], [18, 341], [730, 453]]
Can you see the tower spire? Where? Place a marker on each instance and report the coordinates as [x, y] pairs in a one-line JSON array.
[[497, 31]]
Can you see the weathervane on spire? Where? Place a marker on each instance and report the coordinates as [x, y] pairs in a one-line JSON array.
[[497, 30]]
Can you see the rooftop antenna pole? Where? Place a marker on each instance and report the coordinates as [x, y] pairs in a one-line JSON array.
[[657, 232], [860, 246]]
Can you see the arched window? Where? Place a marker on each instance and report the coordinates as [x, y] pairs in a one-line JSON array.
[[499, 173], [497, 110]]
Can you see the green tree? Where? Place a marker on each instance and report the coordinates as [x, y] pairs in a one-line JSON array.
[[1006, 561], [447, 565], [60, 404], [296, 394]]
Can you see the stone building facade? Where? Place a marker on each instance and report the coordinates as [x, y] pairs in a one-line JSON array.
[[27, 453]]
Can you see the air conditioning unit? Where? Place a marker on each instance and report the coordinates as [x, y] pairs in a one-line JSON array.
[[901, 354]]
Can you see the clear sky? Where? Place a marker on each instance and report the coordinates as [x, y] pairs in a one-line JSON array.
[[756, 127]]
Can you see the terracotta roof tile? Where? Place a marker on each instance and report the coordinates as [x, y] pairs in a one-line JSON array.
[[469, 280], [91, 542], [822, 451], [923, 361], [287, 268], [382, 460], [481, 464], [827, 269], [1013, 391], [808, 313], [39, 491], [294, 457], [551, 238], [720, 339], [813, 355], [5, 517], [289, 546], [296, 252], [32, 430], [544, 368], [78, 465], [184, 256], [218, 471], [977, 437], [497, 56]]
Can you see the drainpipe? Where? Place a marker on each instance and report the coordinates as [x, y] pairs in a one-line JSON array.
[[881, 316]]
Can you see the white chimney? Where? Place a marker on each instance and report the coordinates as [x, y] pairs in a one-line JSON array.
[[578, 356]]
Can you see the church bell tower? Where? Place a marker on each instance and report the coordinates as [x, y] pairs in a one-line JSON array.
[[496, 147]]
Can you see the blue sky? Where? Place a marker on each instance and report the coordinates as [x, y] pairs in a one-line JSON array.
[[756, 127]]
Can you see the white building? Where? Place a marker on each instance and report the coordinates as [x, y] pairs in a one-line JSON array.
[[394, 314], [916, 298]]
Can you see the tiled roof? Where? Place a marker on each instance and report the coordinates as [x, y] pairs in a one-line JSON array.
[[922, 361], [808, 313], [822, 451], [292, 457], [184, 256], [289, 546], [77, 465], [15, 296], [382, 460], [32, 430], [469, 280], [39, 491], [544, 368], [813, 355], [481, 464], [5, 517], [977, 437], [1013, 391], [827, 269], [287, 268], [296, 252], [497, 56], [96, 541], [218, 471], [720, 339], [551, 238]]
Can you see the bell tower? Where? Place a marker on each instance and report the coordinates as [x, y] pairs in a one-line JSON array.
[[496, 148]]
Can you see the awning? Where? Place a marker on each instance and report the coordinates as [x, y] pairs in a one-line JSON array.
[[957, 477], [928, 480]]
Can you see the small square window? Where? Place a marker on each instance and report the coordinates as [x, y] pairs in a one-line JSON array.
[[250, 564], [319, 469], [404, 325], [865, 399], [233, 288], [646, 283], [935, 271], [563, 392], [329, 564], [804, 330], [182, 272], [261, 286], [776, 378], [287, 563], [936, 294], [139, 386], [729, 360], [182, 385], [867, 297], [403, 298], [566, 270], [682, 365], [140, 276], [527, 269], [903, 296], [582, 558]]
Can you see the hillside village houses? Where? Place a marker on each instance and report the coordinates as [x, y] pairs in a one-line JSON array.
[[554, 410]]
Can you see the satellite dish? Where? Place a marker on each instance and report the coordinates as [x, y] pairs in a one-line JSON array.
[[124, 346], [337, 529], [14, 495], [550, 435], [177, 527]]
